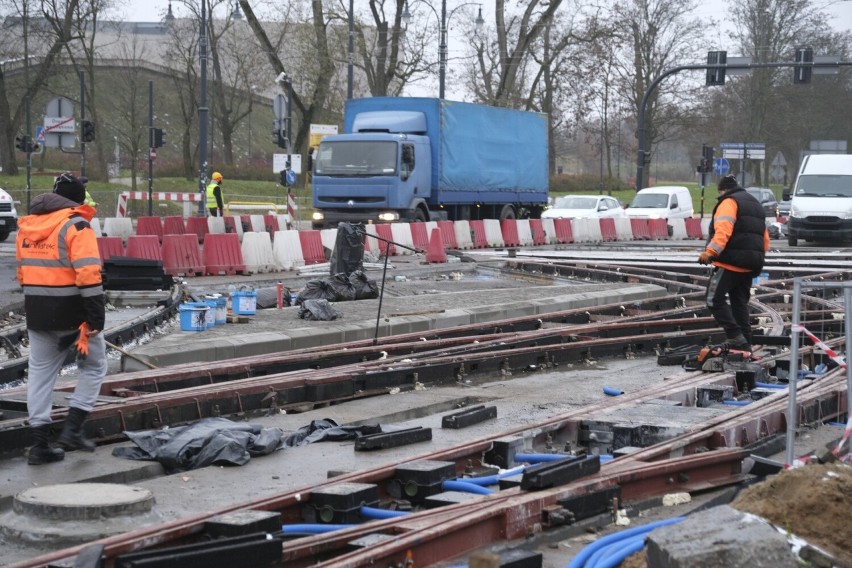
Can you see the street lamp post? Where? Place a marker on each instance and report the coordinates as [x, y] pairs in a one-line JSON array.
[[202, 111], [442, 45]]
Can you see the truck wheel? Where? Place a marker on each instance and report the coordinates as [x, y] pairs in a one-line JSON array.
[[792, 241], [4, 235], [508, 212], [419, 216]]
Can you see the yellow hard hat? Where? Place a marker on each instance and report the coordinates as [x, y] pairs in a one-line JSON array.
[[216, 176]]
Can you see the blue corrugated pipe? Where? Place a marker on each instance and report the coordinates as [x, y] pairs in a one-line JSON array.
[[769, 385], [466, 487], [579, 561], [492, 479], [612, 391], [615, 552], [736, 402], [376, 513], [540, 458], [316, 528]]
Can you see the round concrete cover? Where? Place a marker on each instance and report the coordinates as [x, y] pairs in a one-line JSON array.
[[83, 501]]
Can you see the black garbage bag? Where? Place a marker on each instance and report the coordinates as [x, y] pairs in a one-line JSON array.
[[348, 253], [327, 429], [318, 310], [315, 290], [208, 441], [365, 289], [268, 297], [344, 290]]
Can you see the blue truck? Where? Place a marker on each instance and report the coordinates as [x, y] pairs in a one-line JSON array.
[[426, 159]]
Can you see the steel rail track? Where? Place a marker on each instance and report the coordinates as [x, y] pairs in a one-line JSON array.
[[698, 460], [11, 336], [706, 457]]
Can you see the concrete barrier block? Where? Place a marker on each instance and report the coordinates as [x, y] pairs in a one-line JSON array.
[[118, 227], [287, 250], [721, 536]]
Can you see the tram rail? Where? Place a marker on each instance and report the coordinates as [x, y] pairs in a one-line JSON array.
[[709, 455]]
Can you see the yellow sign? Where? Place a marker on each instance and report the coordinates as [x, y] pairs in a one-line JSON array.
[[320, 131]]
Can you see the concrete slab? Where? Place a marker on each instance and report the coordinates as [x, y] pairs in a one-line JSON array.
[[721, 536]]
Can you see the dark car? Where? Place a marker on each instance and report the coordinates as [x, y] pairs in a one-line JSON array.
[[766, 198], [783, 208]]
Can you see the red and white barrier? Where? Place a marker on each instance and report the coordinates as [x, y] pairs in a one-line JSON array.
[[287, 250], [181, 197]]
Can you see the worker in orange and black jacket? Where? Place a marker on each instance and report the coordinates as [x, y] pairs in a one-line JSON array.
[[59, 269], [736, 246]]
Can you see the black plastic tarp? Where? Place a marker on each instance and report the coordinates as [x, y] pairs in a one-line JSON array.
[[208, 441], [223, 442], [318, 310]]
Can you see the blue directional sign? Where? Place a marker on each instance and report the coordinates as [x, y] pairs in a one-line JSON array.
[[40, 134], [721, 166]]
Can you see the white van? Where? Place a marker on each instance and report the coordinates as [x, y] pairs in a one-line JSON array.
[[663, 202], [821, 202]]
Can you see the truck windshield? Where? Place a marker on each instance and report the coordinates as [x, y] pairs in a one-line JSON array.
[[650, 201], [356, 158], [824, 186]]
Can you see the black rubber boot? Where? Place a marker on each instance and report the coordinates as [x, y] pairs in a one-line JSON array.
[[41, 452], [72, 437]]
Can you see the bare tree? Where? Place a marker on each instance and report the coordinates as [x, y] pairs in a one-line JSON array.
[[656, 35], [54, 29], [770, 31]]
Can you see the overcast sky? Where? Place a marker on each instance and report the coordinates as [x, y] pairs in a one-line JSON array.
[[840, 10]]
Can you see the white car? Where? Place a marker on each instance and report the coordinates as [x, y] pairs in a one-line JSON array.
[[579, 206], [8, 215]]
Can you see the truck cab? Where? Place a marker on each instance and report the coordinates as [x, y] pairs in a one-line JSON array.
[[373, 176]]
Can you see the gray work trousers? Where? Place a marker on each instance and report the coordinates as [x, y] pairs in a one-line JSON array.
[[46, 361]]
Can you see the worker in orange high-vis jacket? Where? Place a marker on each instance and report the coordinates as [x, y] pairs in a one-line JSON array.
[[59, 269], [736, 246]]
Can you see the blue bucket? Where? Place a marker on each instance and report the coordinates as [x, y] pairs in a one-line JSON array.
[[244, 303], [210, 316], [219, 306], [193, 316]]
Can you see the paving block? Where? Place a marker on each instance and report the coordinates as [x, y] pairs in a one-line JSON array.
[[721, 536]]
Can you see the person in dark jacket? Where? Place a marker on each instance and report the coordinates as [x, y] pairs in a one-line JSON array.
[[736, 246], [59, 269]]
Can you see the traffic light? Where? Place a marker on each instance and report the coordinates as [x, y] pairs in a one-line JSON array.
[[279, 138], [87, 131], [801, 73], [707, 156], [158, 138], [716, 75], [26, 144]]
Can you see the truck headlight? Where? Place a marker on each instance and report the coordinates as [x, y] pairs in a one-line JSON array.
[[318, 216], [388, 216], [794, 211]]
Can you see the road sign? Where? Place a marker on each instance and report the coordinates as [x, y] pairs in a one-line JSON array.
[[59, 106], [721, 166], [279, 107], [64, 124], [40, 135], [153, 154]]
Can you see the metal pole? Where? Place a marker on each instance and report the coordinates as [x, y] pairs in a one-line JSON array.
[[350, 78], [29, 155], [442, 78], [847, 305], [82, 116], [202, 110], [792, 415], [150, 148]]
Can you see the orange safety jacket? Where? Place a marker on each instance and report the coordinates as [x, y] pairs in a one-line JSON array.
[[59, 266]]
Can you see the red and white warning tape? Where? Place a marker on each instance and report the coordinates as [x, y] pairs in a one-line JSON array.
[[832, 354]]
